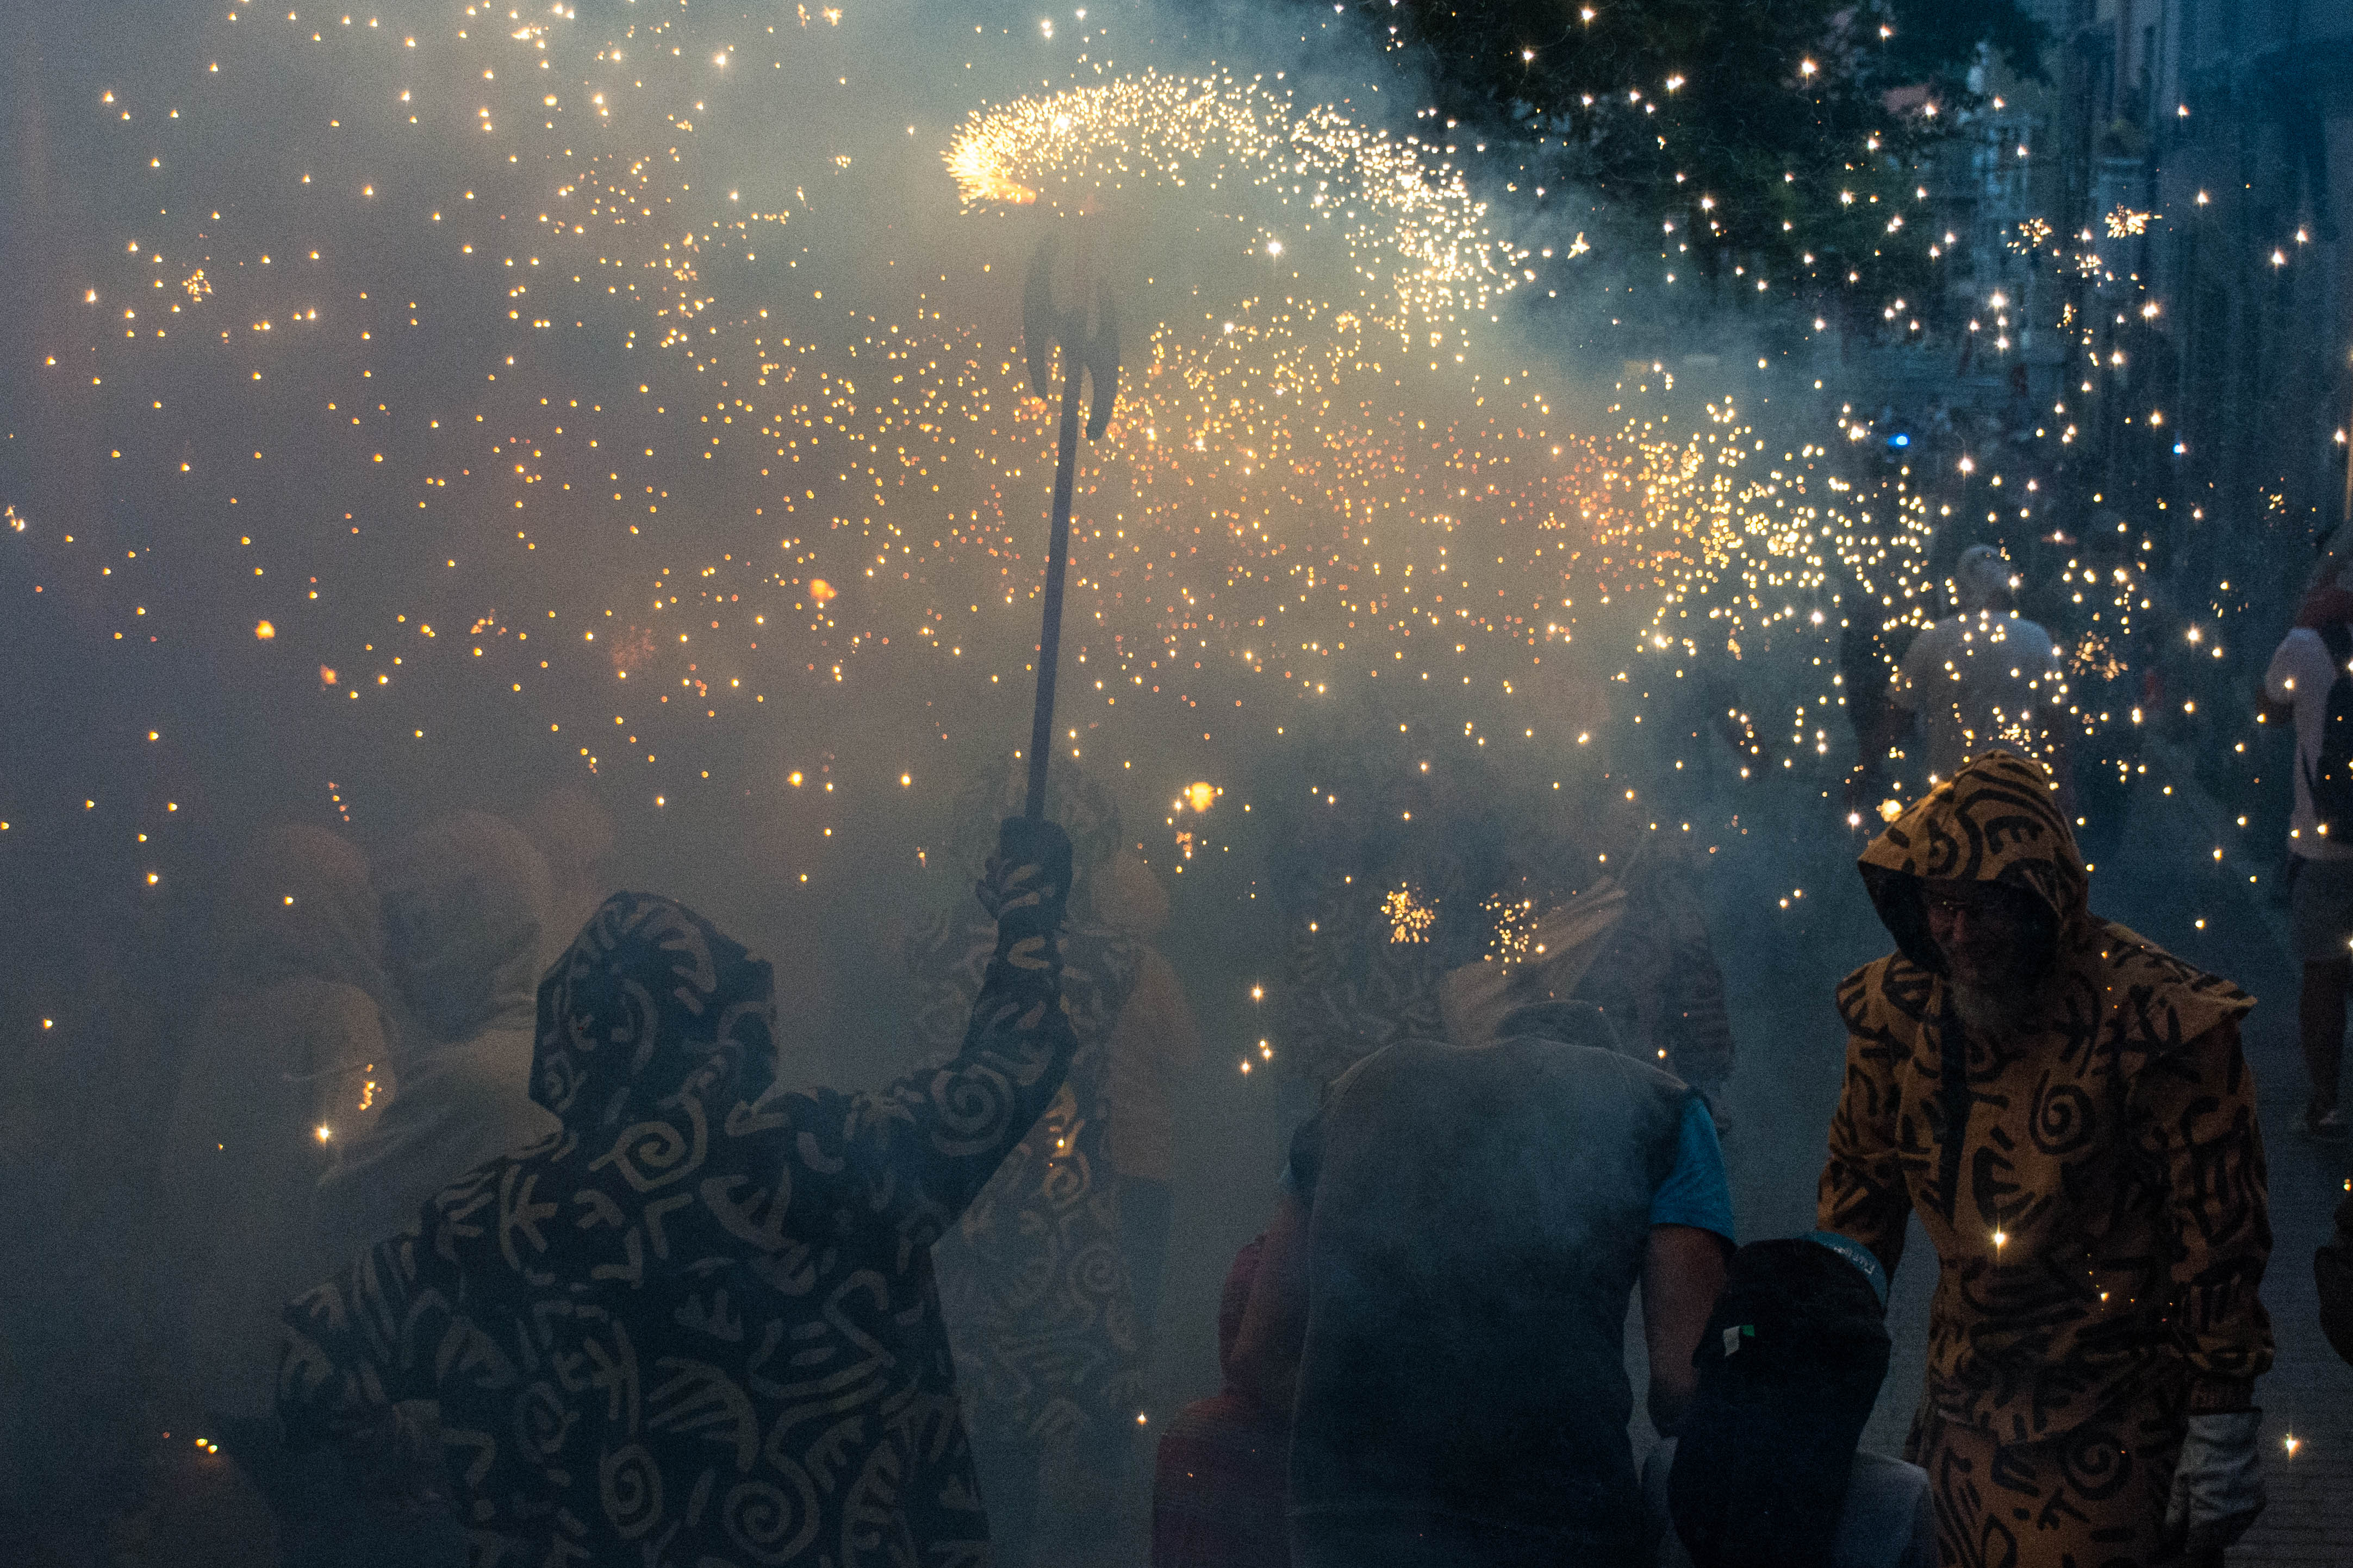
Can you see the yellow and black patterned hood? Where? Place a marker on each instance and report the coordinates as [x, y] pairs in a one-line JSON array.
[[1996, 820]]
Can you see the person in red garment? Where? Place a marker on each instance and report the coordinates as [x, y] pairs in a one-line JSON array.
[[1217, 1492]]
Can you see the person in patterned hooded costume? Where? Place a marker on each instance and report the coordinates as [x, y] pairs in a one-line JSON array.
[[2066, 1109], [1037, 1292], [697, 1327]]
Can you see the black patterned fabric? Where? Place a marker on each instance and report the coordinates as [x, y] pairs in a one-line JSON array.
[[2094, 1182], [1656, 979], [1039, 1303], [2092, 1495], [698, 1327]]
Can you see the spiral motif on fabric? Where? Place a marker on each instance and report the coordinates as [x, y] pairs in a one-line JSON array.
[[1065, 1181], [629, 1484], [651, 1155], [556, 1080], [2063, 1120], [1098, 1271], [748, 1028], [768, 1523], [541, 1423], [1945, 855], [2098, 1466], [973, 1107]]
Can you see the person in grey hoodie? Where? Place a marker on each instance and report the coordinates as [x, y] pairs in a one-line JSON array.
[[465, 906], [288, 1061], [288, 1056]]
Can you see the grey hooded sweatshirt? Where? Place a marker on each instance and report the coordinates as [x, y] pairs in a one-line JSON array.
[[465, 903], [288, 1057]]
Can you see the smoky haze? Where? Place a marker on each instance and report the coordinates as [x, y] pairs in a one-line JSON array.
[[612, 419]]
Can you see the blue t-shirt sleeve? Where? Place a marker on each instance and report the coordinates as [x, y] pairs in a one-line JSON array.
[[1696, 1192]]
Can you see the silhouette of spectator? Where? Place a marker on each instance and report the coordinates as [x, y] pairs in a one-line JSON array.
[[1218, 1488], [1444, 1293], [1763, 1472], [465, 902], [1983, 677], [289, 1058]]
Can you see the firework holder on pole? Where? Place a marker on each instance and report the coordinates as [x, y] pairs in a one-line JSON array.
[[1087, 335]]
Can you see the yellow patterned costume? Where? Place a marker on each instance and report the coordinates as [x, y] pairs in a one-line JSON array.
[[2093, 1186]]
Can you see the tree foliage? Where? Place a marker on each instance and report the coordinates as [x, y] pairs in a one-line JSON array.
[[1779, 142]]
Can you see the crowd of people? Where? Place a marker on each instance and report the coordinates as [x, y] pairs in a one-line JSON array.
[[494, 1226], [1427, 1354]]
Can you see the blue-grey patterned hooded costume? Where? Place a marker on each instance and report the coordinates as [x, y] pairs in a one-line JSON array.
[[1039, 1300], [698, 1327]]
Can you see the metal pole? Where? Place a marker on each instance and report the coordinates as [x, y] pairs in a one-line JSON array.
[[1058, 554]]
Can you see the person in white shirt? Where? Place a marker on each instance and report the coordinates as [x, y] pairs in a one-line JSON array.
[[2320, 867], [1983, 677]]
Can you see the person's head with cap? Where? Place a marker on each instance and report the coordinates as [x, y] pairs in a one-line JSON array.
[[1790, 1367], [1982, 581]]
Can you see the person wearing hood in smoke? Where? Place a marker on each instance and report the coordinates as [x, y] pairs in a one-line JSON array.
[[287, 1059], [465, 902], [575, 835], [1982, 677], [1442, 1296], [699, 1325], [1156, 1039], [1037, 1292], [2066, 1109], [1623, 929], [1217, 1481], [1653, 973], [1384, 902]]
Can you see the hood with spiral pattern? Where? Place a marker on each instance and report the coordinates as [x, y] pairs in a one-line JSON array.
[[650, 999]]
